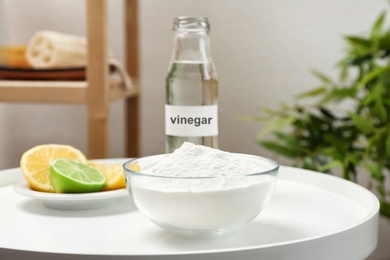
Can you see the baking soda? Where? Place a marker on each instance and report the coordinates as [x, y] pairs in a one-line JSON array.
[[220, 199], [192, 160]]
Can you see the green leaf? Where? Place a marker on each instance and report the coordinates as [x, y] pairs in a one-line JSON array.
[[308, 163], [361, 123], [338, 94], [379, 110], [376, 171], [374, 99], [385, 208], [388, 143], [344, 72], [269, 111], [361, 58], [372, 75], [312, 93], [376, 30], [327, 113], [330, 96], [385, 77], [374, 94], [278, 149], [359, 41], [289, 140], [284, 106], [277, 124], [384, 42], [331, 165], [321, 76]]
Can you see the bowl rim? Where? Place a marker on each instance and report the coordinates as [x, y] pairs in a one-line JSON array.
[[273, 171]]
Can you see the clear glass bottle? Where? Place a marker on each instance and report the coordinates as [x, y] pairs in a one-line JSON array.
[[191, 110]]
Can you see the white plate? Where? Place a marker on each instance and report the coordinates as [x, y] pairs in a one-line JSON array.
[[71, 201]]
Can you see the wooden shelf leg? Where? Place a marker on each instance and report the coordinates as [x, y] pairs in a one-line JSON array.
[[132, 128], [132, 65], [97, 76]]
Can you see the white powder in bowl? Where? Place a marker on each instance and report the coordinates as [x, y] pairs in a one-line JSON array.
[[192, 160]]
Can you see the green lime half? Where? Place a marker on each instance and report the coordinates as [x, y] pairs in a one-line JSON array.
[[67, 176]]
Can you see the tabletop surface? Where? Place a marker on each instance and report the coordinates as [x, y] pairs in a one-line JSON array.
[[309, 214]]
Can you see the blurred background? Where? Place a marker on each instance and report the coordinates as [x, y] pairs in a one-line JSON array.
[[263, 51]]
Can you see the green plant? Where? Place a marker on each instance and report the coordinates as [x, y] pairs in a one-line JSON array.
[[345, 123]]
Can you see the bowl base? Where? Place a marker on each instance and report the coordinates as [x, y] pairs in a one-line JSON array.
[[198, 232]]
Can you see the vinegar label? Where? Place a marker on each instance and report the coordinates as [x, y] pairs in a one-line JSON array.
[[191, 120]]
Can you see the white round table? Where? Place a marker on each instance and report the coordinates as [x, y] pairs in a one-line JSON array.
[[310, 216]]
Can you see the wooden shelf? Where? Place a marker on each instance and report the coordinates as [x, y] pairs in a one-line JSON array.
[[100, 88], [58, 91], [43, 91]]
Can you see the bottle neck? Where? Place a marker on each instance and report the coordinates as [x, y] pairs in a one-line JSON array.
[[191, 46]]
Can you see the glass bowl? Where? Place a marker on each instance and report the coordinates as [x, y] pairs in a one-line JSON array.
[[203, 206]]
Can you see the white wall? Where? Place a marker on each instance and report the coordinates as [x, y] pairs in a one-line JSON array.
[[263, 51]]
